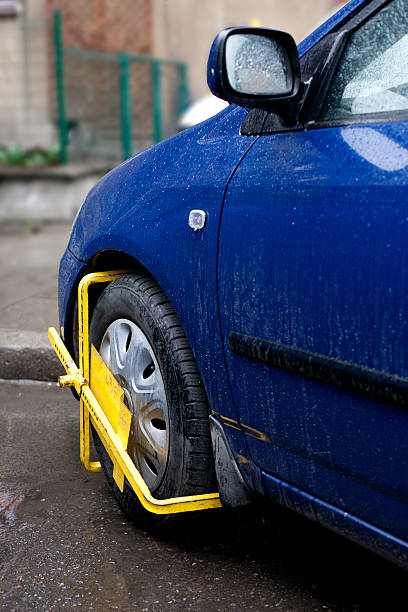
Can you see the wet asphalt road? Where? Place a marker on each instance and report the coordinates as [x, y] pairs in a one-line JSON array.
[[64, 543]]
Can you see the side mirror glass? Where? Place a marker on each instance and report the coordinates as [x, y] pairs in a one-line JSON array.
[[257, 65], [254, 67]]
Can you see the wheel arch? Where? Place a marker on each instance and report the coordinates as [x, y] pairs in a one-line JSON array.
[[109, 259], [235, 491]]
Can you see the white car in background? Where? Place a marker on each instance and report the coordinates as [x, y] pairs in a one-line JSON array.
[[199, 111]]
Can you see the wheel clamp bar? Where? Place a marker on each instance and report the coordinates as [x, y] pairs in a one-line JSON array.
[[101, 406]]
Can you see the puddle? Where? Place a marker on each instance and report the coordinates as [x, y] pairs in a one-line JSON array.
[[8, 504]]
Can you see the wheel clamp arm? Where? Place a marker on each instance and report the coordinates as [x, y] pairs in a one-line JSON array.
[[101, 405]]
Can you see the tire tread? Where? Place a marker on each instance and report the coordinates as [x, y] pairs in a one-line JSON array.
[[198, 460]]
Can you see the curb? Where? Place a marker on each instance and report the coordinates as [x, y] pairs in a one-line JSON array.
[[27, 355]]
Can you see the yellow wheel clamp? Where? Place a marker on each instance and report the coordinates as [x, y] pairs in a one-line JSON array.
[[101, 404]]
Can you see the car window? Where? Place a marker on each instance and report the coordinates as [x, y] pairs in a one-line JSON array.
[[372, 75]]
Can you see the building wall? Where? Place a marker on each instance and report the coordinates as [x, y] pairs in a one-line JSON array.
[[92, 85], [173, 29], [24, 103], [106, 25], [184, 29], [27, 73], [11, 57]]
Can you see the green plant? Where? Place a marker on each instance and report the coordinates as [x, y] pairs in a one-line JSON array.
[[15, 155]]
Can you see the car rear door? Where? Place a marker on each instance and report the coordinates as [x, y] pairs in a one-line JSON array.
[[313, 287]]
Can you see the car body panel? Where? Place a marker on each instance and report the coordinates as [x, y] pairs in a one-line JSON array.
[[293, 268], [142, 207], [70, 270], [327, 275], [366, 534]]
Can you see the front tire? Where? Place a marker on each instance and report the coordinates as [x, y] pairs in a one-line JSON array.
[[141, 340]]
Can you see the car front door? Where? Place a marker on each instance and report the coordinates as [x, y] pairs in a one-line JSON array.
[[313, 286]]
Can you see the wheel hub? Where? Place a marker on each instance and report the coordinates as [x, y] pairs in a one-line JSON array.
[[130, 357]]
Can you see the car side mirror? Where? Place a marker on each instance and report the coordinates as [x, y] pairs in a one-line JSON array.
[[254, 67]]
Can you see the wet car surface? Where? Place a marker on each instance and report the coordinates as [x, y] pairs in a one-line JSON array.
[[259, 331]]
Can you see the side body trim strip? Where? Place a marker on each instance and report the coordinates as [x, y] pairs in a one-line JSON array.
[[377, 385]]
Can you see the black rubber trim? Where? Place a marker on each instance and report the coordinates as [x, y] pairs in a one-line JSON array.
[[377, 385], [319, 64]]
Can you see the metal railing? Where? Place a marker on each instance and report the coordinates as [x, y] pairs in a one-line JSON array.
[[121, 102]]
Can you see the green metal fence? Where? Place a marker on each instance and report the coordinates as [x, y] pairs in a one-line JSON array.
[[112, 105]]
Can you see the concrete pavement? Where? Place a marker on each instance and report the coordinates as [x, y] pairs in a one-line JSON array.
[[29, 259], [64, 543]]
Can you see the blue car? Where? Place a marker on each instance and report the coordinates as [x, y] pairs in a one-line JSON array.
[[260, 335]]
